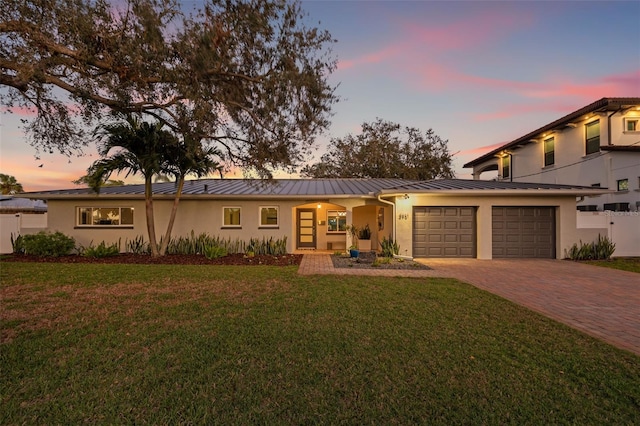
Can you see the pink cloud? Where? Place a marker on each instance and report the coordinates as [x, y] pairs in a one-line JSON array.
[[21, 111], [462, 34], [371, 58], [555, 93], [476, 152], [468, 32]]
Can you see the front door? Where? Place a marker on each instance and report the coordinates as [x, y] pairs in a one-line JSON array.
[[306, 228]]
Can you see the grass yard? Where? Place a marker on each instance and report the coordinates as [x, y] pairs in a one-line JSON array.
[[631, 264], [165, 344]]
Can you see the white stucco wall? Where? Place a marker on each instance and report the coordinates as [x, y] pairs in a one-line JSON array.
[[206, 216], [573, 167]]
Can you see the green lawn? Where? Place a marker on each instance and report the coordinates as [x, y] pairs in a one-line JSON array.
[[229, 345], [625, 263]]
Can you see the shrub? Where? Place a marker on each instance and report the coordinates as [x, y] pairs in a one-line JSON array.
[[101, 250], [597, 250], [48, 244], [389, 247]]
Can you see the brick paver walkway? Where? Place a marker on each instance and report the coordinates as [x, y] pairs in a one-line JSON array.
[[602, 302]]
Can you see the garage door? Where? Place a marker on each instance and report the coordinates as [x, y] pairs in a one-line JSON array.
[[524, 232], [444, 232]]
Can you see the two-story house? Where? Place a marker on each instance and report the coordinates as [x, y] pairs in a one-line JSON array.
[[597, 145]]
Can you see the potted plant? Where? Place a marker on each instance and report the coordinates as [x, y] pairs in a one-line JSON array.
[[364, 238], [353, 249]]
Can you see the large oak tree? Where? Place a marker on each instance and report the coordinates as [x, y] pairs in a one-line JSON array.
[[248, 77], [385, 150]]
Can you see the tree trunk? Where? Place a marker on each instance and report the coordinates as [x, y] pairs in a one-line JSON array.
[[151, 228], [172, 218]]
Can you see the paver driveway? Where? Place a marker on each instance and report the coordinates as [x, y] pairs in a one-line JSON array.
[[602, 302]]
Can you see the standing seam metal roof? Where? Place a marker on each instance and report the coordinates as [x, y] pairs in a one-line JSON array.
[[306, 188]]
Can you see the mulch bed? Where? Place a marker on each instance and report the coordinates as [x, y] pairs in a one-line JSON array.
[[170, 259]]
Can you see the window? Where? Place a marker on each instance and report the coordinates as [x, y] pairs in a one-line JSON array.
[[623, 185], [105, 216], [592, 143], [269, 216], [231, 216], [506, 166], [549, 152], [336, 221], [632, 124]]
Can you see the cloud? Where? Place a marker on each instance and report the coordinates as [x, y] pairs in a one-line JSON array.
[[20, 111], [477, 152], [414, 38], [554, 94]]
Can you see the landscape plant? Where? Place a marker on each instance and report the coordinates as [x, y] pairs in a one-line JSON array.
[[602, 249], [17, 244], [215, 252], [46, 244], [101, 250], [389, 247]]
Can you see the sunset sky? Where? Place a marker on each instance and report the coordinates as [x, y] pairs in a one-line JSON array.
[[479, 73]]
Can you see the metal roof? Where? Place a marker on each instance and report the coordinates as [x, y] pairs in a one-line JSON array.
[[246, 188], [604, 104], [486, 185], [313, 188]]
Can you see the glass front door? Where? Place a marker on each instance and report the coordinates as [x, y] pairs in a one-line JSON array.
[[306, 219]]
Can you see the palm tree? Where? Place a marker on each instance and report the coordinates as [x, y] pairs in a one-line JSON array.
[[9, 185], [188, 157], [147, 149], [134, 147]]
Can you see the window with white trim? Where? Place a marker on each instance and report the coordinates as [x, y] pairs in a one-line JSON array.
[[592, 139], [269, 216], [105, 216], [231, 217], [336, 221], [632, 125]]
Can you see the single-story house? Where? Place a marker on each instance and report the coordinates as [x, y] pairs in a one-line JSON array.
[[438, 218]]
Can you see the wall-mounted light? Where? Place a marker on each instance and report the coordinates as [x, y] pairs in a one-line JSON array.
[[319, 206], [406, 196]]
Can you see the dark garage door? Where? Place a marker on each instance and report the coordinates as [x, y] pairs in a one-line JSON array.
[[524, 232], [444, 232]]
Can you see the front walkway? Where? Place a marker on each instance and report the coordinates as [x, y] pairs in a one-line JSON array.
[[602, 302]]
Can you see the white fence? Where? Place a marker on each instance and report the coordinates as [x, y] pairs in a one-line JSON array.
[[623, 228], [19, 224]]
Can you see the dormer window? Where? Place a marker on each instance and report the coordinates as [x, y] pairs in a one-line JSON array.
[[506, 166], [549, 152], [592, 143]]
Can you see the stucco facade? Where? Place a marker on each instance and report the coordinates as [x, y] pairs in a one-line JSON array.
[[559, 153], [441, 218]]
